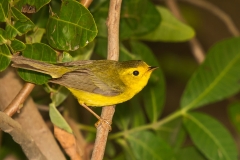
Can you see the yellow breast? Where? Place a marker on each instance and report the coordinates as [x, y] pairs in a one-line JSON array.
[[97, 100]]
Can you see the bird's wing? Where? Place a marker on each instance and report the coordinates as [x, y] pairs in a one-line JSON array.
[[83, 79]]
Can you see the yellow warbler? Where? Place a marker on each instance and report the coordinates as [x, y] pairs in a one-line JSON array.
[[94, 82]]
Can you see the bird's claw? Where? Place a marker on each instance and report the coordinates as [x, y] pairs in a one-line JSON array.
[[103, 121]]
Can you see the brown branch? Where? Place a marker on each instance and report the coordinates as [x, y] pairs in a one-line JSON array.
[[218, 12], [21, 137], [196, 47], [113, 54], [29, 118], [17, 103], [86, 3]]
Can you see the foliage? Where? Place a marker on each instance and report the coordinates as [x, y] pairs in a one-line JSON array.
[[72, 32]]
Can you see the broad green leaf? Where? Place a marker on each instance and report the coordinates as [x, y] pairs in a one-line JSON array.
[[41, 52], [146, 145], [234, 115], [110, 149], [190, 153], [121, 117], [134, 117], [83, 53], [17, 45], [4, 6], [101, 47], [173, 133], [40, 18], [59, 95], [35, 4], [65, 57], [169, 30], [154, 93], [57, 119], [218, 76], [210, 137], [125, 54], [5, 57], [21, 25], [73, 28], [35, 36], [138, 17], [3, 40], [127, 150]]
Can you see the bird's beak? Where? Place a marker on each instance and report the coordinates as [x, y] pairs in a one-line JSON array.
[[152, 68]]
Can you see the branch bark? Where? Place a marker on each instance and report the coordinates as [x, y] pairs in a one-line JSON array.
[[113, 54], [29, 118], [31, 150], [18, 101]]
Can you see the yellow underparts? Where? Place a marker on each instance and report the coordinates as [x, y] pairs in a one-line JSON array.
[[97, 100]]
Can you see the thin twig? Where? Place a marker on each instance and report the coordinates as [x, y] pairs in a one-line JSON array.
[[113, 54], [196, 47], [218, 12], [17, 102], [20, 136], [86, 3]]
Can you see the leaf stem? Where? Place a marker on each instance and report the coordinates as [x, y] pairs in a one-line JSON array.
[[154, 125], [86, 128]]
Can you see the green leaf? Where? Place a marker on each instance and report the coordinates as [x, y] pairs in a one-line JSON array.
[[146, 145], [3, 40], [74, 27], [5, 57], [128, 153], [57, 119], [210, 137], [138, 17], [4, 6], [65, 57], [21, 26], [17, 45], [59, 95], [41, 52], [33, 3], [121, 117], [133, 118], [101, 47], [173, 133], [35, 36], [83, 53], [169, 30], [234, 115], [154, 93], [217, 78], [189, 152]]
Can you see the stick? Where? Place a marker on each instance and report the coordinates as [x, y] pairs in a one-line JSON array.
[[113, 54]]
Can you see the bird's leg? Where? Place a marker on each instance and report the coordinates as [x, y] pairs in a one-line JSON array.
[[100, 120]]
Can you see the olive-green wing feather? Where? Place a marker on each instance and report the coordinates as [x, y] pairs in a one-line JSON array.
[[83, 79]]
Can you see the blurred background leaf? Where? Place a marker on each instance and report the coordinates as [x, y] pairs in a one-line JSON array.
[[210, 137], [216, 78], [169, 30]]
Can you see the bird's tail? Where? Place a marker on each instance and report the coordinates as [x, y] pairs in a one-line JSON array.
[[38, 66]]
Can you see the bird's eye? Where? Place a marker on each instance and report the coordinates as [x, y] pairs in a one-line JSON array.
[[135, 73]]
